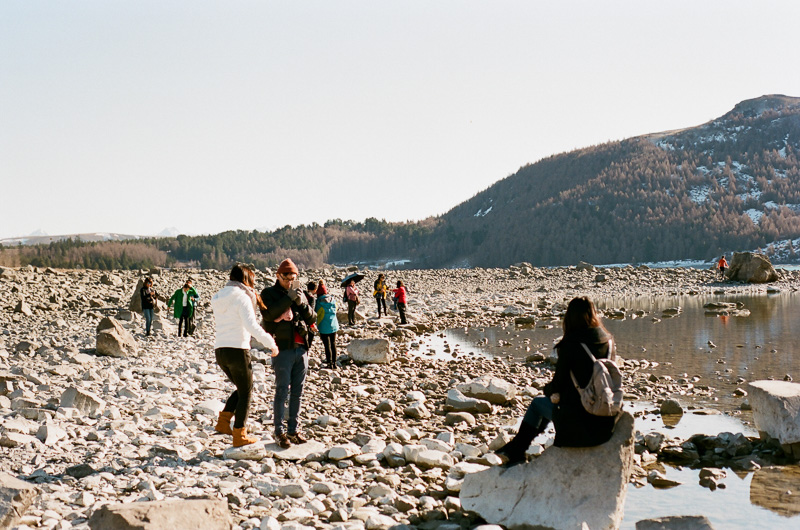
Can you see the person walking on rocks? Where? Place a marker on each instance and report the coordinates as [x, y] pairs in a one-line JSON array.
[[327, 323], [351, 295], [402, 298], [722, 264], [561, 402], [149, 297], [288, 318], [235, 321], [194, 294], [380, 293], [184, 301]]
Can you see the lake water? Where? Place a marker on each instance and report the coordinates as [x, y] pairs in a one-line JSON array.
[[759, 346]]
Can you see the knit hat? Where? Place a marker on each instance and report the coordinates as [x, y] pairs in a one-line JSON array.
[[322, 289], [287, 266]]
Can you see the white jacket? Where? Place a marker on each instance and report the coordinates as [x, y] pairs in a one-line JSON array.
[[235, 320]]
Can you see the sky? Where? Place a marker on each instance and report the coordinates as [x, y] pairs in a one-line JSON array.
[[133, 117]]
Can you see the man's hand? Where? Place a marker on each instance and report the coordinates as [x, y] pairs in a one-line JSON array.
[[274, 351], [294, 294], [555, 398]]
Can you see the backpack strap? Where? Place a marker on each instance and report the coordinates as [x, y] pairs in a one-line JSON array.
[[589, 353]]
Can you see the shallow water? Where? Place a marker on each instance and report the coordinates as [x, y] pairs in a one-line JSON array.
[[759, 346]]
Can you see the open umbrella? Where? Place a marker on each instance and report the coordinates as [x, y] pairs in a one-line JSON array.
[[357, 276]]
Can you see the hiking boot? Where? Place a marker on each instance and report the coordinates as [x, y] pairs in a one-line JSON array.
[[224, 423], [297, 438], [283, 441], [241, 438]]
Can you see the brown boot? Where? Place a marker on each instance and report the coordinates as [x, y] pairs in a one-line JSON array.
[[224, 423], [240, 437]]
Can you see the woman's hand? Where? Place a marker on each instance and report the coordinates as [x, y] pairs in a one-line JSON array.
[[555, 398], [274, 351]]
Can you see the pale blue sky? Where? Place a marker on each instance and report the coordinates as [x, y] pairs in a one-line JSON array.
[[207, 116]]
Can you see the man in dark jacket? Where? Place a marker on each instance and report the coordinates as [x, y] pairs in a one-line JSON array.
[[289, 319]]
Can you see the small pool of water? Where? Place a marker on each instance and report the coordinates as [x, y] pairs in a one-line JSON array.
[[721, 352]]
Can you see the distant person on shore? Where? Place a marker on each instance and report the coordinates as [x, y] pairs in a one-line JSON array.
[[380, 293], [327, 323], [561, 402], [722, 264], [149, 297], [235, 321], [351, 295], [402, 299], [184, 300], [196, 296], [289, 319]]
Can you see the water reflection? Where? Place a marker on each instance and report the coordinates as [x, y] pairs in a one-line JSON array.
[[723, 352], [777, 489]]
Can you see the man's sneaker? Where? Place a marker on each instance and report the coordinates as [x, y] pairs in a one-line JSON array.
[[283, 441], [297, 438]]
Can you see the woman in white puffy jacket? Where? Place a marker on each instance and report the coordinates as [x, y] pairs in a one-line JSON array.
[[234, 309]]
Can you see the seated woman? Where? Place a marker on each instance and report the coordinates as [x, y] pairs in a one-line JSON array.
[[561, 402]]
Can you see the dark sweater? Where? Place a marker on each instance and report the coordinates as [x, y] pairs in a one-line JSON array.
[[574, 426], [285, 333]]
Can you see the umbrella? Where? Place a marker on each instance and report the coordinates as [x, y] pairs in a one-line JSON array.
[[357, 276]]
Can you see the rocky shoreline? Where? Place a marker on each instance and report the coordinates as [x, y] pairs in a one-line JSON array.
[[93, 430]]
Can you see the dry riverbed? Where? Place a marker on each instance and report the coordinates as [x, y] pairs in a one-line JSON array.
[[150, 435]]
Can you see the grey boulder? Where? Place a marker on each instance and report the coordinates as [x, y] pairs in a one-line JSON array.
[[563, 488], [491, 389], [776, 409], [113, 340], [370, 351], [751, 268], [209, 514], [15, 498]]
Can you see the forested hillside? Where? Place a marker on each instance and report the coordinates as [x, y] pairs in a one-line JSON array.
[[730, 184]]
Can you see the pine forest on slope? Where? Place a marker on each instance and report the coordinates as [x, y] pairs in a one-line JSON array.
[[730, 184]]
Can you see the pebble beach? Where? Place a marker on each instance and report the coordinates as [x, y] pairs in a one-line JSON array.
[[146, 429]]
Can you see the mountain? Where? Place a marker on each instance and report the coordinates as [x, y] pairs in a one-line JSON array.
[[730, 184]]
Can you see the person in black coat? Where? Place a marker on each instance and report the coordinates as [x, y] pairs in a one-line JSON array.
[[561, 403], [290, 320]]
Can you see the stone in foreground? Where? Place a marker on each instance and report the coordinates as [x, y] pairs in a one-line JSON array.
[[776, 409], [113, 340], [209, 514], [373, 351], [681, 522], [563, 488], [15, 497]]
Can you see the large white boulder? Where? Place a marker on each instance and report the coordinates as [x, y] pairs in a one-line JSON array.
[[564, 488], [491, 389], [752, 268], [776, 409], [374, 351]]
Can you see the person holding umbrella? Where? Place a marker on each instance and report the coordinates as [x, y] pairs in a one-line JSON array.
[[351, 293]]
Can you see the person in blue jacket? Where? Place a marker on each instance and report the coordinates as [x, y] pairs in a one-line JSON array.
[[327, 323]]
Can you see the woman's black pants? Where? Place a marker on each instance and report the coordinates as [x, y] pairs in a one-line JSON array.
[[235, 362], [351, 312], [329, 342], [381, 300], [401, 308]]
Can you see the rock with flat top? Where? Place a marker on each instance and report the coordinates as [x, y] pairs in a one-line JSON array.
[[209, 514], [370, 351], [564, 488], [776, 409]]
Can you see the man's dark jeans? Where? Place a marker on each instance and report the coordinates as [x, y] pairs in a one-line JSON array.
[[290, 375]]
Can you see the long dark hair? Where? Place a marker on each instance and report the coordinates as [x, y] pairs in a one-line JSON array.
[[580, 316], [246, 275]]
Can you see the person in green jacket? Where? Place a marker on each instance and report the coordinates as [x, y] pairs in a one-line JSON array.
[[184, 300]]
